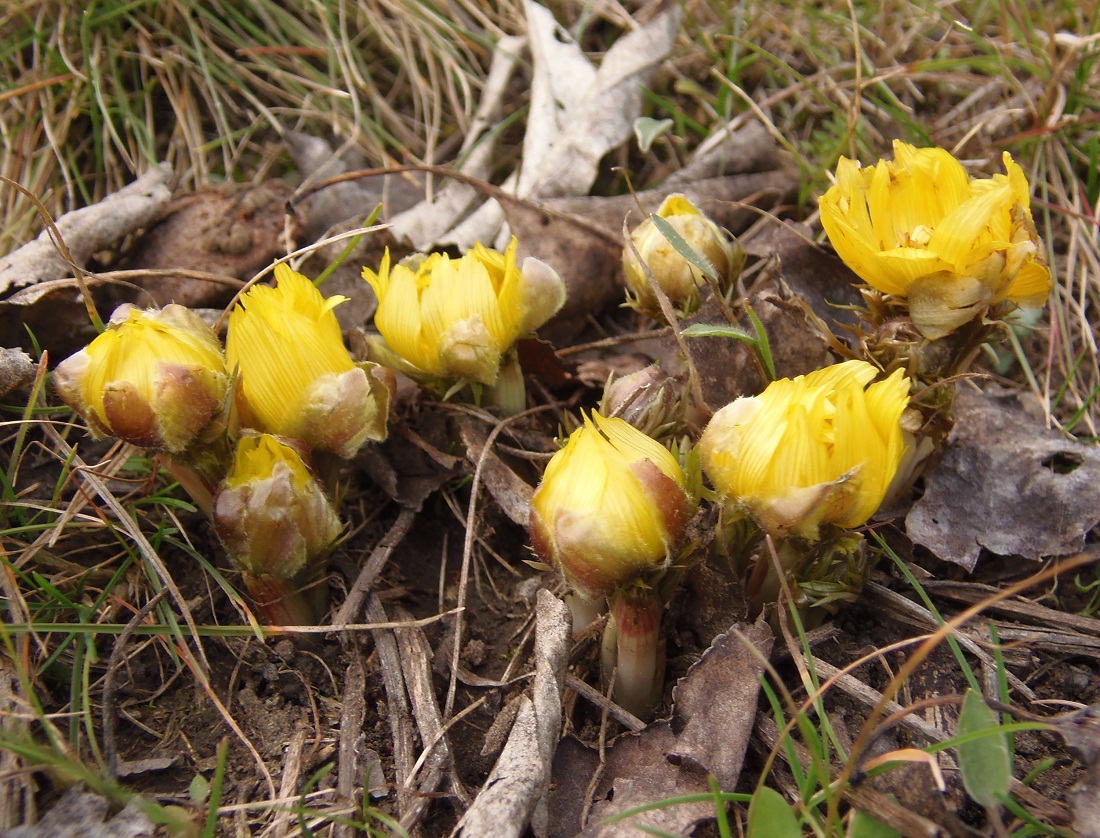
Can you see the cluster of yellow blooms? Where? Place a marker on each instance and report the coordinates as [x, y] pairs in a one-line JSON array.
[[799, 465], [807, 460], [241, 429]]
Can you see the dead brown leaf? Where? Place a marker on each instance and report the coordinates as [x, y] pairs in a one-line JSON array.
[[1008, 485], [234, 230], [713, 716]]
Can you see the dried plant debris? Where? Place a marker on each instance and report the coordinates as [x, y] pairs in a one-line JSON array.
[[232, 232], [86, 231], [1008, 485], [16, 370], [82, 814], [577, 115], [1081, 733], [515, 793], [713, 716]]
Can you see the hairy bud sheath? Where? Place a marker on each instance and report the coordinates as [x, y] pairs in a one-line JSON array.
[[154, 378], [676, 276], [612, 505]]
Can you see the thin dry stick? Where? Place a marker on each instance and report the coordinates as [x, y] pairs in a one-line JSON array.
[[367, 576], [109, 714], [468, 543], [353, 711], [288, 784], [400, 724], [416, 670]]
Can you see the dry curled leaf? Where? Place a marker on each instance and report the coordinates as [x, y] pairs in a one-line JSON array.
[[713, 716], [1008, 485]]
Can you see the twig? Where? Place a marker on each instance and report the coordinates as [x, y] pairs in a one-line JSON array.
[[353, 711], [415, 656], [586, 691], [288, 785], [367, 576], [109, 716], [400, 724]]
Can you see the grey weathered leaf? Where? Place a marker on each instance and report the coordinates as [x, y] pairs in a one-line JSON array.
[[1008, 485]]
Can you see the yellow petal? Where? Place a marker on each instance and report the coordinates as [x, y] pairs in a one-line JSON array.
[[1031, 286]]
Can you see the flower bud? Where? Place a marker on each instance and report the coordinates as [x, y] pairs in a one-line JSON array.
[[270, 513], [612, 506], [296, 377], [446, 320], [819, 449], [677, 277], [647, 399], [920, 228], [154, 378]]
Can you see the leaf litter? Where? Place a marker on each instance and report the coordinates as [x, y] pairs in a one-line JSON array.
[[1003, 479]]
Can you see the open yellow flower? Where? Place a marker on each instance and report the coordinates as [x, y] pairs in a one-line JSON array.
[[612, 505], [676, 276], [819, 449], [919, 227], [296, 377], [447, 319], [154, 378]]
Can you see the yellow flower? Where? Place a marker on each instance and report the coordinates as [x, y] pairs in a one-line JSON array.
[[819, 449], [676, 276], [919, 227], [454, 319], [296, 377], [612, 505], [153, 378], [271, 513]]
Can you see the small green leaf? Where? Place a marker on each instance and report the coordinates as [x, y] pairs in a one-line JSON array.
[[771, 816], [717, 330], [985, 763], [697, 259], [867, 826], [647, 129], [199, 789], [763, 348]]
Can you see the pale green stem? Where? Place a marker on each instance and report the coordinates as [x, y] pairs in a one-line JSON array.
[[509, 394], [585, 611], [193, 481], [632, 652]]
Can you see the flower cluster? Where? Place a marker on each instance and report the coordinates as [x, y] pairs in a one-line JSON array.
[[252, 433], [794, 471], [240, 430]]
